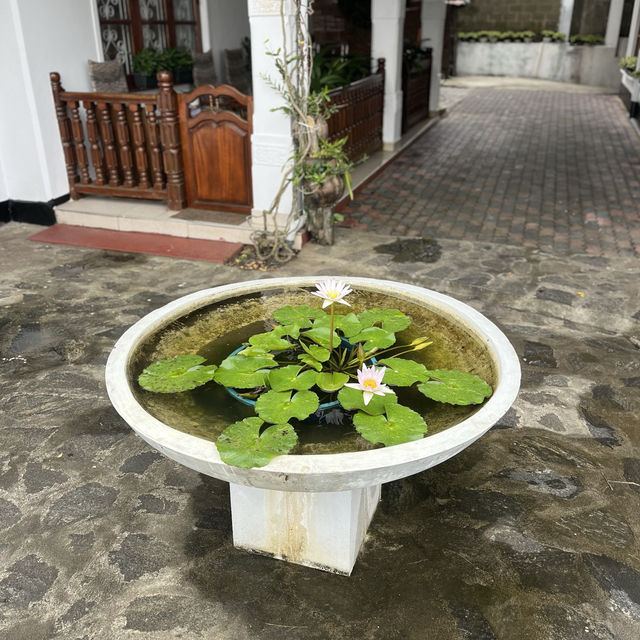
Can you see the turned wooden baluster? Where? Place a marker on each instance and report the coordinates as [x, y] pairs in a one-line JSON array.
[[108, 143], [65, 134], [124, 144], [137, 133], [154, 147], [78, 138], [94, 141], [170, 138]]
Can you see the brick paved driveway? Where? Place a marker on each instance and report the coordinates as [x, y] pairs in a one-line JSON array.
[[553, 170]]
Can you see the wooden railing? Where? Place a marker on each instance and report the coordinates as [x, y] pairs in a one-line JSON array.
[[359, 116], [133, 142]]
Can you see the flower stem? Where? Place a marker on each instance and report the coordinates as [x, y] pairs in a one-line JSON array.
[[331, 333]]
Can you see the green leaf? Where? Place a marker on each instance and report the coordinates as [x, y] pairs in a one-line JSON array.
[[374, 337], [401, 424], [311, 361], [352, 399], [332, 381], [402, 372], [281, 406], [321, 336], [270, 341], [244, 372], [176, 374], [287, 378], [253, 351], [242, 445], [455, 387], [390, 319], [319, 353], [348, 324], [301, 315]]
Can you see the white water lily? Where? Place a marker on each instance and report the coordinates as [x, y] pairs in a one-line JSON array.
[[370, 383], [332, 291]]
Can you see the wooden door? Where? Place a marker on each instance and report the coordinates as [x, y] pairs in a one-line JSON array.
[[215, 127]]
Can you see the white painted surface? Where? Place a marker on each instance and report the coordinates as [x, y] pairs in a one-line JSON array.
[[560, 62], [632, 84], [387, 25], [566, 14], [432, 29], [614, 20], [37, 37], [228, 24], [321, 530], [633, 29]]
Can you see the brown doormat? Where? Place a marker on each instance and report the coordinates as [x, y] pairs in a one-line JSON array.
[[133, 242]]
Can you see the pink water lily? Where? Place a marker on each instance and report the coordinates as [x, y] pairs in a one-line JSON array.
[[332, 291], [370, 383]]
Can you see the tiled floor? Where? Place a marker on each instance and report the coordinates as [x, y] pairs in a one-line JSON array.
[[549, 169]]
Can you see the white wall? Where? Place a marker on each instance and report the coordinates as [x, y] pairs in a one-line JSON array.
[[228, 25], [37, 37]]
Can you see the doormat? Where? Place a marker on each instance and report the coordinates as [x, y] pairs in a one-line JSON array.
[[134, 242]]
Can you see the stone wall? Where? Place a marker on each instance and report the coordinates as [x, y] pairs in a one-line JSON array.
[[511, 15]]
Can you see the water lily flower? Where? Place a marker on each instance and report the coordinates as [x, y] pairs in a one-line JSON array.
[[332, 291], [370, 383]]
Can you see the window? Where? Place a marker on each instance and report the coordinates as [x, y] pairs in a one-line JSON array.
[[127, 26]]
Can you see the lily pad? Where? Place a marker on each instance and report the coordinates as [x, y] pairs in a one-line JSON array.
[[374, 337], [318, 353], [301, 315], [281, 406], [352, 399], [332, 381], [287, 378], [455, 387], [348, 324], [390, 319], [244, 372], [320, 335], [242, 445], [311, 361], [402, 372], [401, 424], [176, 374], [270, 341]]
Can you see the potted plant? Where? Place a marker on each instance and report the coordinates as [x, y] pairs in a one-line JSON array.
[[307, 352], [145, 67], [527, 36], [493, 36], [547, 35], [179, 62]]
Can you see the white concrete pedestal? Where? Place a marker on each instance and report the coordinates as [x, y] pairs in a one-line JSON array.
[[324, 530]]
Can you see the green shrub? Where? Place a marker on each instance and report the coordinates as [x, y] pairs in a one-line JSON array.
[[590, 39], [629, 63], [173, 59], [145, 62], [559, 37]]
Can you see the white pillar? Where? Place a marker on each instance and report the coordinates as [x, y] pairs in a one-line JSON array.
[[613, 23], [387, 26], [633, 29], [566, 14], [271, 142], [324, 530], [433, 15]]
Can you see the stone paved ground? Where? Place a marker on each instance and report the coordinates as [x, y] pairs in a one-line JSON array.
[[549, 169], [532, 533]]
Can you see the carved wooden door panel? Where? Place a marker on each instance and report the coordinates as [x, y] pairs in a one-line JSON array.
[[215, 126]]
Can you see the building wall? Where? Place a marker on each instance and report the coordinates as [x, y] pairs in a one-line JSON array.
[[37, 37], [228, 25], [509, 15]]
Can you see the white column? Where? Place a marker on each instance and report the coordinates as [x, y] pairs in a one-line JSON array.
[[433, 16], [613, 23], [566, 14], [324, 530], [633, 29], [387, 26], [271, 142]]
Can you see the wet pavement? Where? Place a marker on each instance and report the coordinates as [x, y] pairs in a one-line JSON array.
[[534, 163], [529, 534]]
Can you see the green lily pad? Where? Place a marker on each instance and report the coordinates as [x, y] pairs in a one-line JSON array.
[[351, 398], [332, 381], [390, 319], [270, 341], [301, 315], [287, 378], [320, 335], [401, 424], [311, 361], [402, 372], [176, 374], [348, 324], [374, 337], [318, 353], [244, 372], [242, 445], [281, 406], [253, 351], [455, 387]]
